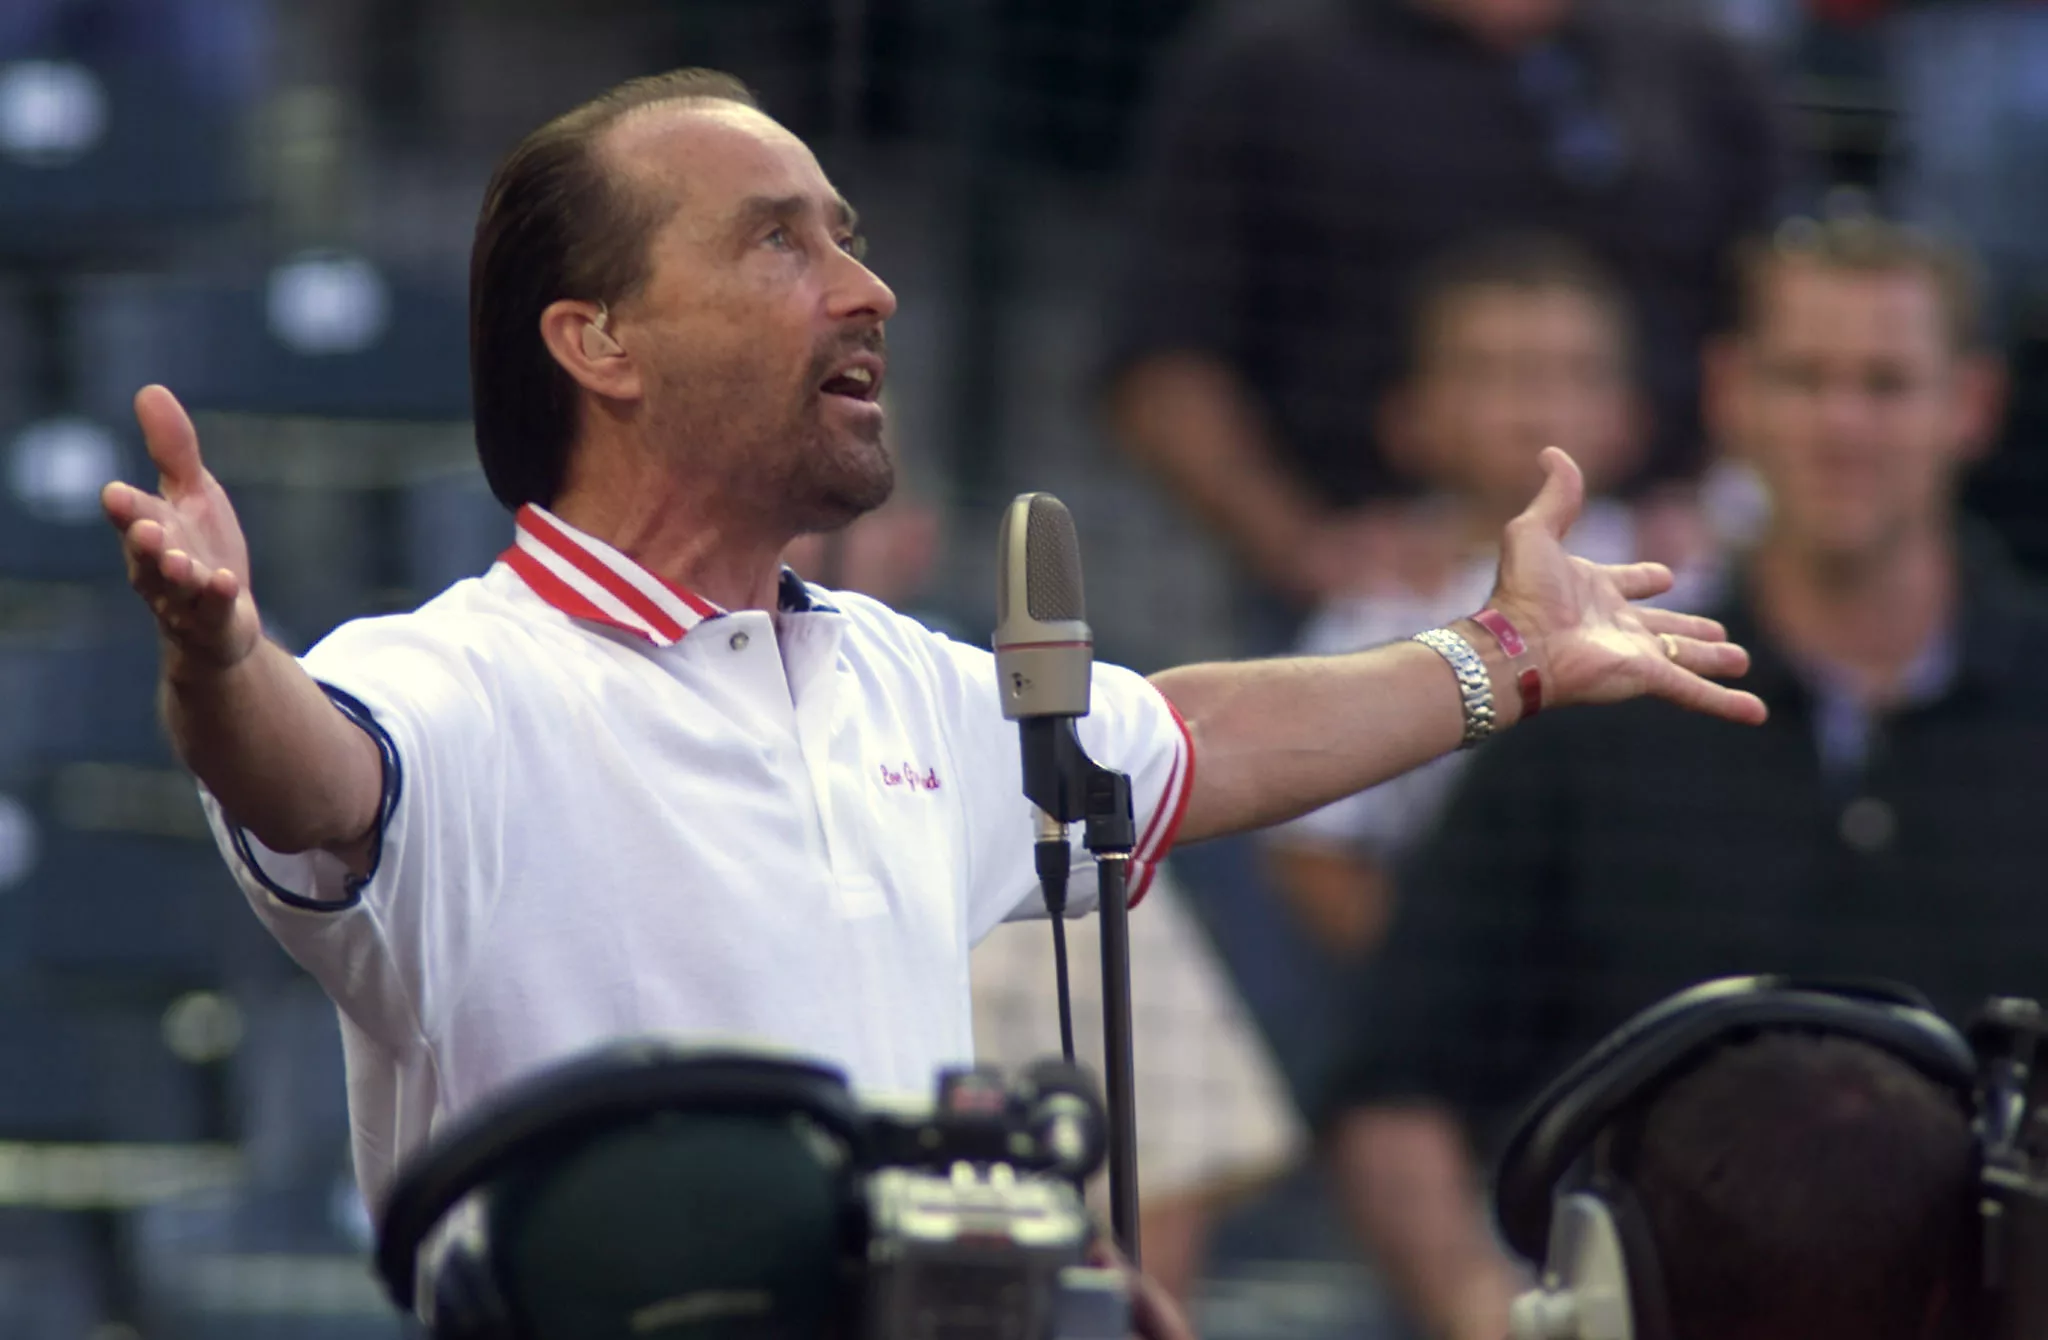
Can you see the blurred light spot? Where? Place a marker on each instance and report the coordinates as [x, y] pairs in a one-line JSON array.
[[1868, 825], [327, 304], [202, 1026], [57, 468], [51, 112], [1736, 503], [350, 1214], [18, 842]]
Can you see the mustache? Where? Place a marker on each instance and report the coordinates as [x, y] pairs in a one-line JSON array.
[[871, 341]]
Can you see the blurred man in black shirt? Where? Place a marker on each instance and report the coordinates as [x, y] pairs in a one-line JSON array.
[[1883, 823], [1310, 155]]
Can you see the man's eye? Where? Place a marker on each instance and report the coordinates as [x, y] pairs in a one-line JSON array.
[[854, 245], [780, 239]]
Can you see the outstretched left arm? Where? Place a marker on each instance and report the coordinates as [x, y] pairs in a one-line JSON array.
[[1278, 738]]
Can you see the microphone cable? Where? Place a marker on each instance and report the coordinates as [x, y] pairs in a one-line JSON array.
[[1054, 861]]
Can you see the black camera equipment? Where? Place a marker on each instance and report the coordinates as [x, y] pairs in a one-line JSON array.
[[651, 1189], [1559, 1201], [1045, 655]]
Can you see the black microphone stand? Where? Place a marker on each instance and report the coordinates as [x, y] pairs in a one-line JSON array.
[[1110, 835], [1067, 786]]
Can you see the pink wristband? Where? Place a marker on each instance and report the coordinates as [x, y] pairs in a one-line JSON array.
[[1527, 679]]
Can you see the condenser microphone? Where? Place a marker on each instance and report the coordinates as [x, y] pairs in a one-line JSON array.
[[1045, 660], [1044, 651], [1045, 655]]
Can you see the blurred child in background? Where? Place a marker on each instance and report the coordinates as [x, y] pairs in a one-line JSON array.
[[1518, 343]]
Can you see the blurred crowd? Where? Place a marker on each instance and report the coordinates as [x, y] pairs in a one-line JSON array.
[[1285, 297]]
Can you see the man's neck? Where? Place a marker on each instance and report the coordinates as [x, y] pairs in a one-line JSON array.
[[682, 534], [1868, 617]]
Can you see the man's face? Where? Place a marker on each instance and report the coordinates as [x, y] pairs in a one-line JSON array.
[[1852, 402], [758, 331], [1507, 371]]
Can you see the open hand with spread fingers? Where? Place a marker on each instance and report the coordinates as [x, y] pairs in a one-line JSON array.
[[1591, 643], [186, 554]]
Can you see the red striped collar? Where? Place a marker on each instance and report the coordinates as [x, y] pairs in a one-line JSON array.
[[586, 578]]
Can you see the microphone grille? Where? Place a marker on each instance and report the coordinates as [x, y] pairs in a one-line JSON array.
[[1052, 562]]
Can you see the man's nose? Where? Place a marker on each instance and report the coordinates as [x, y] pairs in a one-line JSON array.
[[1845, 410], [859, 291]]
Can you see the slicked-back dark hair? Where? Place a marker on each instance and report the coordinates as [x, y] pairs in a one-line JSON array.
[[556, 223], [1799, 1185]]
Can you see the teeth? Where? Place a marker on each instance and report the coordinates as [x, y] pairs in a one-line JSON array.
[[861, 376]]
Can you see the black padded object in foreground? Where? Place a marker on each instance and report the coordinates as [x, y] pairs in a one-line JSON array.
[[1650, 1050]]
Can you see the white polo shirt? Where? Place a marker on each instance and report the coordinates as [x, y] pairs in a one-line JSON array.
[[613, 809]]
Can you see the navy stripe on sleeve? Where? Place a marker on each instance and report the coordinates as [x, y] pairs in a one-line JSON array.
[[393, 771]]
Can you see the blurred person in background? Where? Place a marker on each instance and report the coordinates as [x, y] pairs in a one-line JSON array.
[[1883, 823], [1309, 156], [1215, 1121], [1514, 343], [639, 777]]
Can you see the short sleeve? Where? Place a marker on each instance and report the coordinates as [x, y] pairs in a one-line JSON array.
[[389, 948], [1131, 727]]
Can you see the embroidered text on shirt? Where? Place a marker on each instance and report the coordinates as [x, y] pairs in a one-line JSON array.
[[909, 776]]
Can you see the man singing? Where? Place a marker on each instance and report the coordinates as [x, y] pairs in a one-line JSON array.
[[637, 777]]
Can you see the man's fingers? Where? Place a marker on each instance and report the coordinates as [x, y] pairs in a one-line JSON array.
[[1715, 660], [125, 504], [1556, 507], [181, 570], [1687, 678], [173, 443], [1682, 625], [1639, 581], [157, 570], [194, 618], [147, 539], [1688, 690], [223, 586]]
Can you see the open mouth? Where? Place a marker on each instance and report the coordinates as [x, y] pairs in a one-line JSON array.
[[859, 380]]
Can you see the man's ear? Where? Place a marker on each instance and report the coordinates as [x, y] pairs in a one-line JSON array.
[[577, 334], [1980, 391]]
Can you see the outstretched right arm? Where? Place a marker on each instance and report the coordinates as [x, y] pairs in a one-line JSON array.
[[244, 716]]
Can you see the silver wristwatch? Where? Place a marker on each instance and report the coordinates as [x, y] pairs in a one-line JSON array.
[[1475, 685]]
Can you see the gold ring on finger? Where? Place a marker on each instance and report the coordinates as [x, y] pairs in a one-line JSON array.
[[1670, 646]]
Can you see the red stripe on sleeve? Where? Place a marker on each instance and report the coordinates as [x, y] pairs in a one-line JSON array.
[[1173, 807]]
